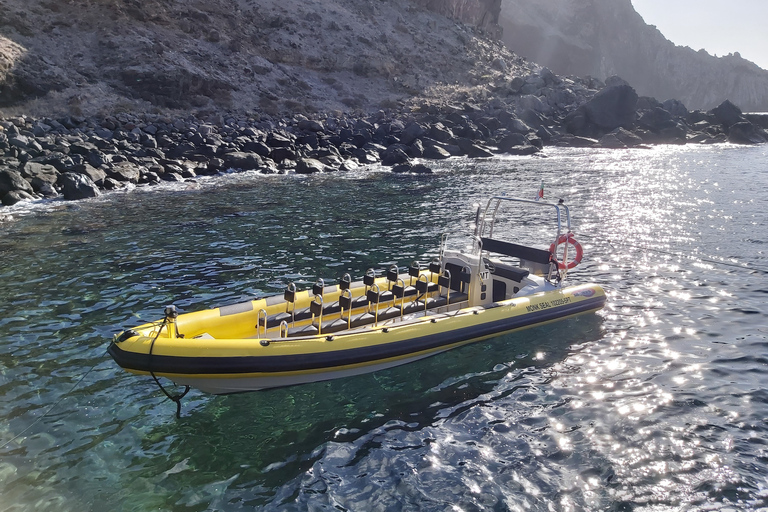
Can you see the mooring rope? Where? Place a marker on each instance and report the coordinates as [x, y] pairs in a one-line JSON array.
[[175, 398], [742, 266], [53, 406]]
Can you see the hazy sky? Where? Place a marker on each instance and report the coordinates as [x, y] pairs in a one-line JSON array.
[[719, 26]]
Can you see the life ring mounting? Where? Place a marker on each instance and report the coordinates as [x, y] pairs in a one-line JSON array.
[[567, 238]]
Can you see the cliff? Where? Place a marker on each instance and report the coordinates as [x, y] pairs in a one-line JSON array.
[[95, 57], [602, 38], [483, 14]]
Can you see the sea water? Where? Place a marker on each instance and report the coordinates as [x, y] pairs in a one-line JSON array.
[[659, 402]]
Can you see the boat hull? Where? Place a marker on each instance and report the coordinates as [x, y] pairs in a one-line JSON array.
[[223, 366]]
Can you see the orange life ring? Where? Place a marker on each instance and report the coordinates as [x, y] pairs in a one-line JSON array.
[[570, 239]]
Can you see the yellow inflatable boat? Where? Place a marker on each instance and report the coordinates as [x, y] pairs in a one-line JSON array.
[[486, 287]]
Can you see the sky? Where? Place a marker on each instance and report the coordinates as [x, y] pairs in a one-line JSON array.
[[719, 26]]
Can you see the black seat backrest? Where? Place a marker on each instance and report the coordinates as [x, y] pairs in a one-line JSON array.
[[458, 276], [516, 251]]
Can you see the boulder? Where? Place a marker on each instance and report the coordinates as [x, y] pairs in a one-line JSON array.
[[523, 150], [242, 160], [310, 125], [533, 103], [745, 133], [12, 180], [309, 166], [77, 186], [676, 108], [96, 175], [281, 154], [258, 147], [656, 119], [511, 140], [395, 154], [611, 141], [760, 120], [612, 107], [577, 123], [82, 147], [435, 152], [103, 132], [416, 149], [37, 174], [278, 140], [533, 118], [627, 138], [366, 155], [440, 133], [14, 196], [124, 171], [411, 132], [573, 141], [727, 114], [19, 141], [181, 150], [472, 149], [402, 168]]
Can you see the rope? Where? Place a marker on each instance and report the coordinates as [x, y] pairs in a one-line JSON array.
[[52, 406], [742, 266], [175, 398]]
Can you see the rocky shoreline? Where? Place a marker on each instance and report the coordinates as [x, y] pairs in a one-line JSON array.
[[77, 157]]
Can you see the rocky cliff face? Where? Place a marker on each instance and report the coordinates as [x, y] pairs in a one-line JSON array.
[[602, 38], [483, 14], [99, 56]]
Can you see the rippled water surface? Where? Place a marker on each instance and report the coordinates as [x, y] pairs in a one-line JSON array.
[[658, 403]]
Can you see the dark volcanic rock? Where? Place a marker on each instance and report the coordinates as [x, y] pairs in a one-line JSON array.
[[656, 119], [511, 140], [421, 169], [613, 107], [77, 186], [395, 154], [124, 171], [309, 166], [12, 180], [435, 151], [403, 167], [727, 114], [14, 196], [96, 175], [38, 174], [411, 132], [278, 140], [472, 149], [242, 160], [745, 133]]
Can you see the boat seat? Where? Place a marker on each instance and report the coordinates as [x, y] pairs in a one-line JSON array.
[[305, 330], [523, 252], [301, 314], [508, 271], [442, 300]]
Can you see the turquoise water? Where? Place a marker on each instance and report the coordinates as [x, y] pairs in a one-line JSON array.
[[658, 403]]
